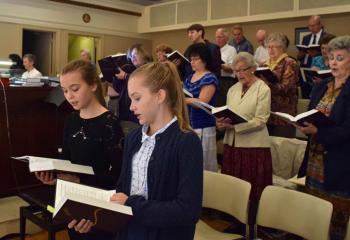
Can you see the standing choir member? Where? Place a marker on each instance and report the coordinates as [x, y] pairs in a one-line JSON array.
[[203, 85], [247, 152], [92, 135], [162, 174]]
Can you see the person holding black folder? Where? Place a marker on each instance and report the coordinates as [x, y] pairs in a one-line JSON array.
[[92, 135], [247, 152], [326, 163], [284, 96], [162, 174], [128, 120]]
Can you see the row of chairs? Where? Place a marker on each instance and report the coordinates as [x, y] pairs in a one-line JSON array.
[[279, 208]]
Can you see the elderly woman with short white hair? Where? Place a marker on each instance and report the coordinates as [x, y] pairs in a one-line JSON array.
[[283, 92], [327, 156], [247, 152]]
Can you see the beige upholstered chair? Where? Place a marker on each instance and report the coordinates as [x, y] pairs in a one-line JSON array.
[[226, 194], [296, 212], [302, 106], [347, 236]]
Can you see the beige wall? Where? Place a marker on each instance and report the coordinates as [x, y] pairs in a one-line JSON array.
[[334, 24], [117, 44], [10, 38], [11, 42]]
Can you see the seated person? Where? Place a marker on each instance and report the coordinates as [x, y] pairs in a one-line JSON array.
[[29, 63], [17, 67]]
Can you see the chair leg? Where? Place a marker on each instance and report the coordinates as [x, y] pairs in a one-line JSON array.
[[22, 225], [52, 235]]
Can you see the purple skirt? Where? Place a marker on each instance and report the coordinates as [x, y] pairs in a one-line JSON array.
[[253, 165]]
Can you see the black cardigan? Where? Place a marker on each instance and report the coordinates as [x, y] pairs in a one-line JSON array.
[[175, 184], [336, 140]]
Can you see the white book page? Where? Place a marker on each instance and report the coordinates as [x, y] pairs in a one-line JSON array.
[[219, 109], [70, 167], [118, 54], [113, 206], [305, 114], [324, 71], [187, 93], [204, 106], [262, 68], [43, 164], [285, 115], [64, 187]]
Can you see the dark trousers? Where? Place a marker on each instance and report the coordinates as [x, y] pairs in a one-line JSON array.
[[225, 84], [281, 131]]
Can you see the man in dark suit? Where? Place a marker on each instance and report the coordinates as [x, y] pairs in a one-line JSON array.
[[317, 32], [305, 57]]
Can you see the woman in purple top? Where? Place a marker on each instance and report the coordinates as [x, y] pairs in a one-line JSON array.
[[204, 86]]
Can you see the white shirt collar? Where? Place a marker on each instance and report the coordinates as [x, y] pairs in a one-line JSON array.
[[146, 126]]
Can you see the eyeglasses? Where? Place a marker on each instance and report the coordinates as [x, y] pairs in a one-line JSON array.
[[273, 47], [241, 70]]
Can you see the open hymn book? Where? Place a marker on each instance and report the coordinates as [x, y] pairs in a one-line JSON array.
[[220, 112], [266, 73], [313, 116], [37, 164], [177, 55], [77, 201], [187, 93], [308, 74]]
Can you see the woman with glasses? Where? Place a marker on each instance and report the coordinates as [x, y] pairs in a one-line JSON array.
[[203, 85], [283, 92], [326, 163], [247, 152]]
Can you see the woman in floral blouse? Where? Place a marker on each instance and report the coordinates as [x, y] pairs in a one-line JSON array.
[[283, 92]]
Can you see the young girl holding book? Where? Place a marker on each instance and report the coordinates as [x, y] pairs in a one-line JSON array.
[[162, 173], [92, 134]]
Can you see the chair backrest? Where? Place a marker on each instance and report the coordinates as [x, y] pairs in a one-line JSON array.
[[296, 212], [347, 236], [227, 194]]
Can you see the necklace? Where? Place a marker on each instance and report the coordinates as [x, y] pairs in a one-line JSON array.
[[80, 132]]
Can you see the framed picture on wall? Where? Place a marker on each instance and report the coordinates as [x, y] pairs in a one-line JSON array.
[[300, 33]]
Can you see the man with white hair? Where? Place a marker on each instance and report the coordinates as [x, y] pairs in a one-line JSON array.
[[261, 54], [228, 53]]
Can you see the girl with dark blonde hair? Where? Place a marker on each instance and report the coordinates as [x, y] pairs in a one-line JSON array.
[[92, 135], [162, 173]]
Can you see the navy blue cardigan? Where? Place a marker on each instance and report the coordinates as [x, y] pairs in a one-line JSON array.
[[175, 184], [336, 140]]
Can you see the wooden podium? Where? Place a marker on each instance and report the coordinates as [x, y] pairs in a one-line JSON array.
[[35, 127]]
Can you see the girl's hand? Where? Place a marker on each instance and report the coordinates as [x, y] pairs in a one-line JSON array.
[[46, 177], [119, 198], [84, 226], [308, 129]]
